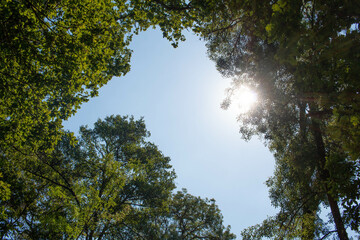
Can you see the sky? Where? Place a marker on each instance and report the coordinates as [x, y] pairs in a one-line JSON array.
[[178, 91]]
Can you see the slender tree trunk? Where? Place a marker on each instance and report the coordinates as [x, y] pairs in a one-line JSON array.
[[337, 217], [324, 175], [306, 232]]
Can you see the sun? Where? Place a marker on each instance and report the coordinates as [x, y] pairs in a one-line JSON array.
[[242, 100]]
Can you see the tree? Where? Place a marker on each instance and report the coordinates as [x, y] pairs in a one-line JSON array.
[[195, 218], [55, 55], [110, 184], [300, 56], [92, 190], [186, 217]]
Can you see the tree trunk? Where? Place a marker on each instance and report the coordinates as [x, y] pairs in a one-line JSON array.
[[337, 218], [324, 176]]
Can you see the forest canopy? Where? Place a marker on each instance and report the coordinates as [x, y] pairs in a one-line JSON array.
[[301, 57], [108, 183], [55, 55]]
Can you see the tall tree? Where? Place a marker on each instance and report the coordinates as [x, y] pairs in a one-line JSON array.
[[55, 55], [91, 190], [301, 57], [110, 184]]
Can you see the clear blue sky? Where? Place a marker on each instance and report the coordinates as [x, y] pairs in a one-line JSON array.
[[178, 92]]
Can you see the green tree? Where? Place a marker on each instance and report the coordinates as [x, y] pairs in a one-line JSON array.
[[191, 217], [91, 190], [55, 55], [186, 217], [109, 184], [301, 57]]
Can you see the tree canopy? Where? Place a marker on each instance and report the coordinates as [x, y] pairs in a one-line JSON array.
[[186, 217], [55, 55], [301, 57], [110, 184]]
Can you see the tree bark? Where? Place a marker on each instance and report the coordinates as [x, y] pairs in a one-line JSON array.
[[337, 217]]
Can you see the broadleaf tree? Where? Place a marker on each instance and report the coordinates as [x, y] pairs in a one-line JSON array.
[[185, 217], [301, 57], [55, 55], [90, 189], [110, 184]]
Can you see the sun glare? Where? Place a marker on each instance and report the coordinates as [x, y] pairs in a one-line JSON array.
[[242, 100]]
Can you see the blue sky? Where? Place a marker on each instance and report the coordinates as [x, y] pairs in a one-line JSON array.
[[178, 92]]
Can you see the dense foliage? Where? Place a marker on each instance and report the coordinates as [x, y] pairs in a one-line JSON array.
[[110, 184], [302, 59], [55, 55], [186, 217]]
